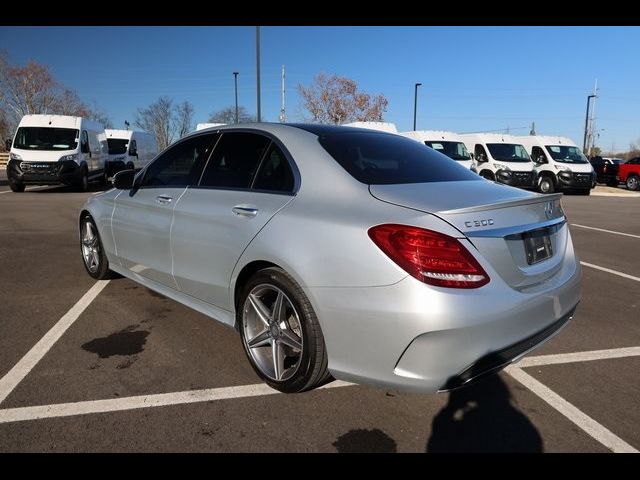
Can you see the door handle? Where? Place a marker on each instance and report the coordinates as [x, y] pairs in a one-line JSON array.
[[164, 199], [245, 211]]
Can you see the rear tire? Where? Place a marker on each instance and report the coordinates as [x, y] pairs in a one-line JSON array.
[[289, 332], [17, 187], [93, 256], [633, 182]]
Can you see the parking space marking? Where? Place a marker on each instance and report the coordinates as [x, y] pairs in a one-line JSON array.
[[20, 414], [582, 420], [608, 270], [542, 360], [605, 230], [40, 349]]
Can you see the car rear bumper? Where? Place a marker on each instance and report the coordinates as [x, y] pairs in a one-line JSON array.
[[40, 173], [414, 337]]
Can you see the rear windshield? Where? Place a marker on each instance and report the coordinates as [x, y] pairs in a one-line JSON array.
[[382, 159], [117, 145]]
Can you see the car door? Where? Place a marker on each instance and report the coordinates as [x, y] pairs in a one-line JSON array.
[[247, 180], [142, 216]]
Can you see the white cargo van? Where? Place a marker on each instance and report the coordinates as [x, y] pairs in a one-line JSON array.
[[380, 126], [501, 158], [129, 149], [447, 143], [56, 149], [560, 164], [202, 126]]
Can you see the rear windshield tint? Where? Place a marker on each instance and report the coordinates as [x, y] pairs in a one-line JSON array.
[[381, 159]]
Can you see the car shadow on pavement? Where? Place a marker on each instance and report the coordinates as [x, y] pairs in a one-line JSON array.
[[482, 418]]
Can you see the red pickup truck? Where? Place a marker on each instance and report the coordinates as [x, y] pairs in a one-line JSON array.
[[629, 173]]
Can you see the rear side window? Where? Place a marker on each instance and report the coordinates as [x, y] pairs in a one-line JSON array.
[[181, 165], [381, 159], [235, 160], [275, 173]]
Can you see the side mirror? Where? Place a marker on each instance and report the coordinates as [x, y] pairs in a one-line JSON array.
[[133, 152], [8, 143], [472, 156], [123, 180], [482, 157], [84, 147]]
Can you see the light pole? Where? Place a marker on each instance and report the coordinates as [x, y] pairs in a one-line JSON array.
[[415, 104], [258, 73], [586, 123], [235, 81]]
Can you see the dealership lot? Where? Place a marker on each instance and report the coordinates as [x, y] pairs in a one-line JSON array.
[[112, 366]]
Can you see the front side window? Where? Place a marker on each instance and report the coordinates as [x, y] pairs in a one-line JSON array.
[[380, 159], [565, 154], [46, 138], [480, 153], [508, 152], [275, 173], [235, 160], [181, 165], [454, 150], [537, 153]]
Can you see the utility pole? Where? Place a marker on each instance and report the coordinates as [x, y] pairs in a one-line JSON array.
[[533, 128], [586, 126], [415, 105], [283, 115], [235, 81], [258, 115]]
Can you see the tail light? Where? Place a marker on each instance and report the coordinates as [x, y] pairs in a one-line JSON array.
[[429, 256]]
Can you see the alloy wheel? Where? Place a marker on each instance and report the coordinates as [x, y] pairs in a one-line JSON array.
[[90, 247], [272, 332]]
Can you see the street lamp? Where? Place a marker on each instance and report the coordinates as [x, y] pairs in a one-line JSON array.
[[235, 81], [415, 104], [586, 123]]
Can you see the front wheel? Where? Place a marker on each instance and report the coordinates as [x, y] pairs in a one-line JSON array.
[[633, 183], [17, 187], [546, 185], [93, 256], [83, 181], [280, 333]]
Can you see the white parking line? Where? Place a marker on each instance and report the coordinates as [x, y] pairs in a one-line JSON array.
[[142, 401], [605, 230], [582, 420], [608, 270], [541, 360], [39, 350]]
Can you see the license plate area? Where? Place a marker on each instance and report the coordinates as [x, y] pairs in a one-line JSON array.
[[537, 245]]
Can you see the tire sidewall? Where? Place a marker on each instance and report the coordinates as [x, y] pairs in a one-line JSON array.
[[631, 181], [277, 278]]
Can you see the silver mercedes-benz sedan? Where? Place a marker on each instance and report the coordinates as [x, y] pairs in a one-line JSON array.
[[343, 253]]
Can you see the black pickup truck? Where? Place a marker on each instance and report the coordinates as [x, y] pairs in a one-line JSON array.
[[606, 169]]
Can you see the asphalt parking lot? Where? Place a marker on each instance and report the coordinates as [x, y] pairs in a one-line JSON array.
[[112, 366]]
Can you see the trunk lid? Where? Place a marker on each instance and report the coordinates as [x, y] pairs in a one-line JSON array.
[[511, 228]]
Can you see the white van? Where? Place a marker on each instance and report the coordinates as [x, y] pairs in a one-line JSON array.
[[56, 149], [560, 164], [447, 143], [129, 149], [202, 126], [501, 158], [380, 126]]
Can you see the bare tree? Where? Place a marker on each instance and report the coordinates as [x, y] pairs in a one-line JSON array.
[[184, 118], [5, 129], [228, 115], [336, 100], [97, 114], [157, 119], [33, 90]]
